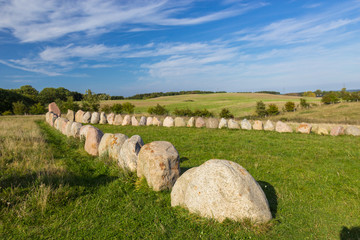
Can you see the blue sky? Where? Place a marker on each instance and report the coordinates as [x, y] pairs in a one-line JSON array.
[[129, 47]]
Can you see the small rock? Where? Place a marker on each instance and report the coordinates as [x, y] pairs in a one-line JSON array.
[[142, 121], [180, 122], [232, 124], [258, 125], [352, 130], [129, 151], [110, 118], [54, 108], [134, 121], [86, 117], [70, 115], [95, 118], [322, 131], [149, 121], [118, 119], [75, 129], [336, 131], [269, 126], [199, 122], [245, 124], [103, 118], [282, 127], [93, 138], [304, 128], [78, 116], [212, 123], [168, 122], [126, 120], [191, 122]]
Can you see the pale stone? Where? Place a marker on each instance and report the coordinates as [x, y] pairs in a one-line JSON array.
[[86, 117], [110, 118], [232, 124], [63, 125], [156, 121], [304, 128], [75, 129], [223, 123], [52, 118], [352, 130], [129, 152], [212, 123], [258, 125], [322, 131], [269, 126], [168, 122], [95, 118], [68, 128], [159, 163], [336, 131], [56, 123], [191, 122], [118, 119], [149, 121], [103, 118], [47, 117], [134, 121], [111, 144], [83, 131], [142, 121], [282, 127], [93, 138], [126, 120], [245, 124], [200, 122], [221, 189], [78, 116], [70, 115], [104, 144], [54, 108], [179, 122]]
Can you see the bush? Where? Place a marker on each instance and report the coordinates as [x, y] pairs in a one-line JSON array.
[[90, 102], [289, 107], [225, 113], [106, 109], [261, 109], [158, 110], [19, 108], [330, 98], [272, 110], [303, 103], [128, 107], [37, 109], [117, 108], [203, 113], [8, 112], [183, 112]]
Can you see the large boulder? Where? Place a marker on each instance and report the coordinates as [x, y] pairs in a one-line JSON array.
[[95, 118], [103, 118], [223, 123], [83, 131], [68, 128], [56, 123], [159, 163], [212, 123], [142, 121], [86, 117], [232, 124], [118, 119], [52, 118], [149, 121], [258, 125], [269, 126], [168, 122], [111, 144], [78, 116], [134, 121], [63, 125], [70, 115], [128, 156], [245, 124], [110, 118], [93, 138], [126, 120], [221, 189], [282, 127], [75, 129], [352, 130], [191, 122], [304, 128], [336, 131], [200, 122], [179, 122], [156, 121], [104, 144], [54, 108]]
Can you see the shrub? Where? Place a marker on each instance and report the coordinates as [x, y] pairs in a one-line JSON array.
[[261, 109], [330, 98], [19, 108], [8, 112], [106, 109], [183, 112], [303, 103], [225, 113], [272, 110], [203, 113], [90, 102], [158, 110], [128, 107], [69, 104], [37, 109], [289, 106], [117, 108]]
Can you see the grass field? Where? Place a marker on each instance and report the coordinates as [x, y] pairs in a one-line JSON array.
[[240, 104], [50, 188]]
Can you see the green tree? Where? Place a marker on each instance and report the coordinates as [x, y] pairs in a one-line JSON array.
[[330, 98], [128, 107], [90, 102], [117, 108], [261, 109], [37, 108], [318, 93], [225, 113], [29, 91], [158, 110], [289, 107], [69, 104], [309, 94], [19, 108], [272, 110]]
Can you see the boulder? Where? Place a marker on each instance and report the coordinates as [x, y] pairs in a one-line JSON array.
[[322, 131], [221, 189], [159, 163], [223, 123], [336, 131], [282, 127], [104, 144], [63, 125], [200, 122], [110, 118], [95, 118], [258, 125], [47, 116], [191, 122], [179, 122], [86, 117], [93, 138], [212, 123], [52, 118], [168, 122], [54, 108], [68, 128], [75, 129], [103, 118], [232, 124], [70, 115], [56, 122], [126, 120], [156, 121], [83, 131], [245, 124], [134, 121], [352, 130], [304, 128], [149, 121], [78, 116], [118, 119], [269, 126], [111, 144], [142, 121], [128, 157]]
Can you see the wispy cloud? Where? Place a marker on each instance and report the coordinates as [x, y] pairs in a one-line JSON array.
[[25, 65]]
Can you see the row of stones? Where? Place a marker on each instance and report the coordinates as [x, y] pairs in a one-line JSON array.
[[217, 189], [117, 119]]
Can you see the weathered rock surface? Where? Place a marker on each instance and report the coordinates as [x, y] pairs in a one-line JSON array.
[[212, 123], [63, 125], [54, 108], [104, 144], [200, 122], [159, 163], [95, 118], [258, 125], [322, 131], [93, 138], [269, 126], [86, 117], [56, 122], [129, 152], [70, 115], [221, 189], [126, 120], [245, 124], [352, 130], [336, 131], [168, 122], [111, 144], [304, 128], [149, 121], [232, 124], [223, 123], [156, 122], [191, 122], [110, 118], [52, 118], [75, 129], [282, 127], [118, 119], [142, 121], [103, 118], [84, 130], [78, 116], [179, 122], [68, 128], [134, 121]]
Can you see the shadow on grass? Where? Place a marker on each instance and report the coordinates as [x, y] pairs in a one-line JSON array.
[[350, 234], [271, 196]]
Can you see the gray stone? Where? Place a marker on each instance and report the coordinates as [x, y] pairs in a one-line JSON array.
[[179, 122], [191, 122], [86, 117], [245, 124], [63, 125], [304, 128], [78, 116], [149, 121], [142, 121], [269, 126], [223, 123], [104, 144], [282, 127], [126, 120], [168, 122], [103, 118], [232, 124], [134, 121], [75, 129], [95, 118], [212, 123], [159, 163], [336, 131], [258, 125], [54, 108], [92, 141], [118, 119], [200, 122], [70, 115], [68, 128], [129, 151], [221, 189], [352, 130], [110, 118]]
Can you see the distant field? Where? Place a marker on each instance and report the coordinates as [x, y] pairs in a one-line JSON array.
[[240, 104]]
